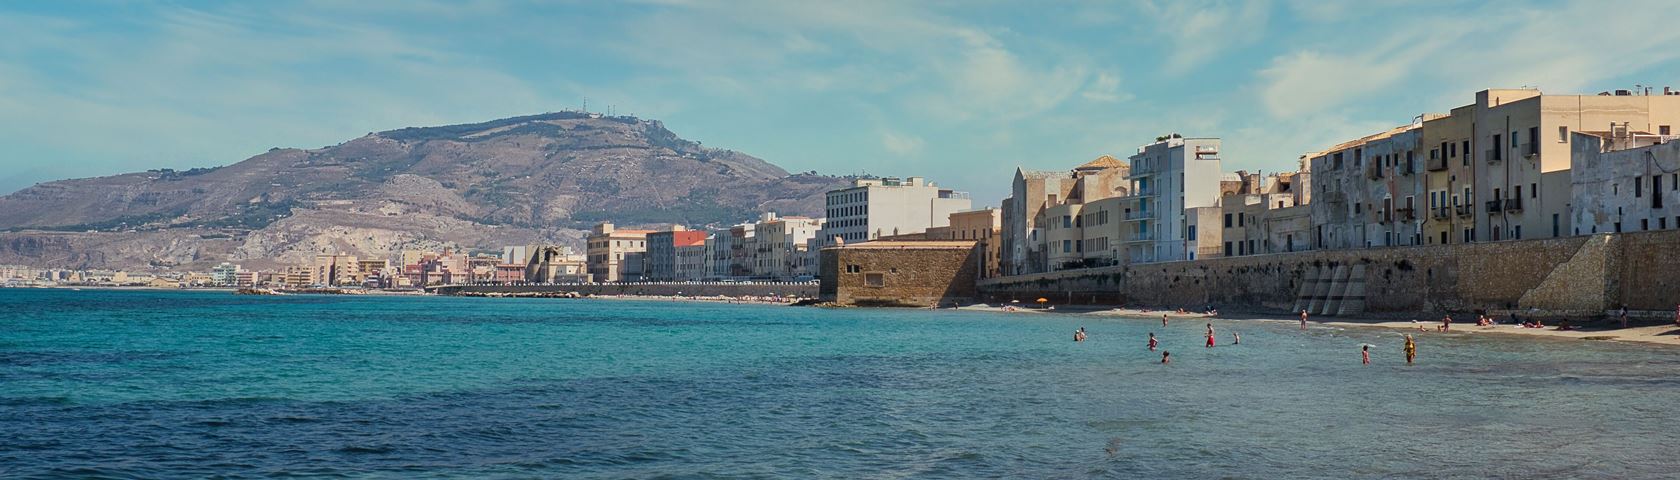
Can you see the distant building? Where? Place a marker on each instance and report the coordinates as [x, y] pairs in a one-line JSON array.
[[662, 262], [225, 274], [1624, 181], [333, 270], [982, 226], [779, 243], [616, 254], [1168, 179], [874, 208]]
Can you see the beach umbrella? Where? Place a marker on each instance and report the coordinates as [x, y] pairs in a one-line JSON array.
[[1015, 301], [1042, 300]]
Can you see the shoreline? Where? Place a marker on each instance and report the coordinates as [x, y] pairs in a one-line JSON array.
[[1660, 334]]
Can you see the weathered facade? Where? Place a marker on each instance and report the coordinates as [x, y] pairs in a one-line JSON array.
[[1625, 182], [899, 273]]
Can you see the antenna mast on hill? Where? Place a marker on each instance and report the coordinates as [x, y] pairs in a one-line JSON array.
[[585, 104]]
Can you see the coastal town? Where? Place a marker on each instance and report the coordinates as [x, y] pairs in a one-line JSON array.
[[1512, 165]]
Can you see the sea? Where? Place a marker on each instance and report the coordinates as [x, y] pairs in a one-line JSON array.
[[197, 384]]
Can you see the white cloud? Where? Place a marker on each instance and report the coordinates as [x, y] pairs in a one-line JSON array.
[[1105, 88], [1199, 31], [901, 144]]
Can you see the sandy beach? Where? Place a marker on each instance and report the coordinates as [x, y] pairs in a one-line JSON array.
[[1662, 334]]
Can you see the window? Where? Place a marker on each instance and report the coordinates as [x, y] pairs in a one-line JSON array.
[[1662, 129], [1644, 224], [1190, 233], [1466, 151], [1563, 134], [1496, 152], [1228, 251], [1638, 188], [1227, 220], [1656, 191], [1533, 141], [854, 269], [875, 280], [1533, 190], [1239, 219], [1516, 233], [1067, 246]]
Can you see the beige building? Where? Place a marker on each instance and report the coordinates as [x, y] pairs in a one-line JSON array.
[[334, 270], [1023, 245], [882, 207], [1262, 214], [1522, 146], [981, 226], [779, 245], [615, 254]]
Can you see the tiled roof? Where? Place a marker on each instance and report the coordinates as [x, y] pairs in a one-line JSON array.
[[1102, 162]]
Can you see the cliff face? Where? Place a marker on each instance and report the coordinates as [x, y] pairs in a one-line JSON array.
[[516, 180]]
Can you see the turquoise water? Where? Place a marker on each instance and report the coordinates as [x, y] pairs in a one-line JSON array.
[[198, 384]]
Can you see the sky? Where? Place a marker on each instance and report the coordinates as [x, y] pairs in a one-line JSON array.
[[961, 92]]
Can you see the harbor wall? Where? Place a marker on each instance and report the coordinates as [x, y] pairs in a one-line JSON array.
[[1563, 275]]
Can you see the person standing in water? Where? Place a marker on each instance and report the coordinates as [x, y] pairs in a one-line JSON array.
[[1411, 350], [1365, 354], [1210, 335], [1236, 339], [1163, 320], [1303, 319], [1166, 356], [1152, 342]]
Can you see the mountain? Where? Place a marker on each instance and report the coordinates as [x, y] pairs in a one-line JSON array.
[[525, 179]]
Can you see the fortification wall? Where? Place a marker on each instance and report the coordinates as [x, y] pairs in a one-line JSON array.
[[1584, 273]]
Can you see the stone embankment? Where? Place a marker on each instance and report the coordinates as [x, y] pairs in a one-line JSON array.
[[1572, 276]]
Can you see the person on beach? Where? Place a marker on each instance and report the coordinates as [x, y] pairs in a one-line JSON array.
[[1365, 354], [1623, 314], [1677, 314], [1152, 342], [1411, 350], [1446, 323], [1210, 335], [1166, 356]]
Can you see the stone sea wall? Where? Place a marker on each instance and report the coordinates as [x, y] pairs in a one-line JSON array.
[[1563, 275]]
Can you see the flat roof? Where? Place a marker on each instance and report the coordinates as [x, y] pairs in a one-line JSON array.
[[908, 245]]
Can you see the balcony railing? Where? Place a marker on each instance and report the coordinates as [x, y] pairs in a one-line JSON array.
[[1492, 155], [1495, 206], [1465, 210], [1513, 204], [1406, 214], [1437, 164], [1443, 213], [1141, 237], [1408, 168], [1140, 215]]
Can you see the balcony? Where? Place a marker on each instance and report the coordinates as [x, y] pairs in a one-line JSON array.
[[1373, 170], [1140, 237], [1436, 164], [1495, 206], [1492, 155], [1464, 210], [1406, 214], [1409, 167], [1443, 213], [1140, 215], [1513, 204]]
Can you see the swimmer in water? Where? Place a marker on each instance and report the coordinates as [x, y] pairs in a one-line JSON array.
[[1210, 335], [1411, 350], [1166, 356], [1365, 354], [1152, 342], [1163, 319], [1236, 339]]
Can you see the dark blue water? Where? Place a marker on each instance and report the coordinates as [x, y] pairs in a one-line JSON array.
[[202, 384]]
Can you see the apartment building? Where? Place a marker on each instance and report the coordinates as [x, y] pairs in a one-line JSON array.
[[1522, 141], [1261, 214], [1624, 181], [877, 207], [334, 269], [1169, 178], [1024, 220], [1449, 178], [614, 254], [780, 245], [661, 263]]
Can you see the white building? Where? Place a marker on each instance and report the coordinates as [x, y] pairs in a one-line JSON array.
[[780, 243], [1169, 177], [873, 208], [1624, 181], [225, 274]]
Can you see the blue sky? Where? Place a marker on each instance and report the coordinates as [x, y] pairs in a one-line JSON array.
[[958, 91]]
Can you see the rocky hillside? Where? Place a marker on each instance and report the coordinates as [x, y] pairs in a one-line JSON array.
[[535, 178]]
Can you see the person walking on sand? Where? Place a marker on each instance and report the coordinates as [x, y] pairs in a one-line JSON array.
[[1623, 314], [1446, 323], [1303, 319], [1152, 342], [1210, 335], [1411, 350]]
